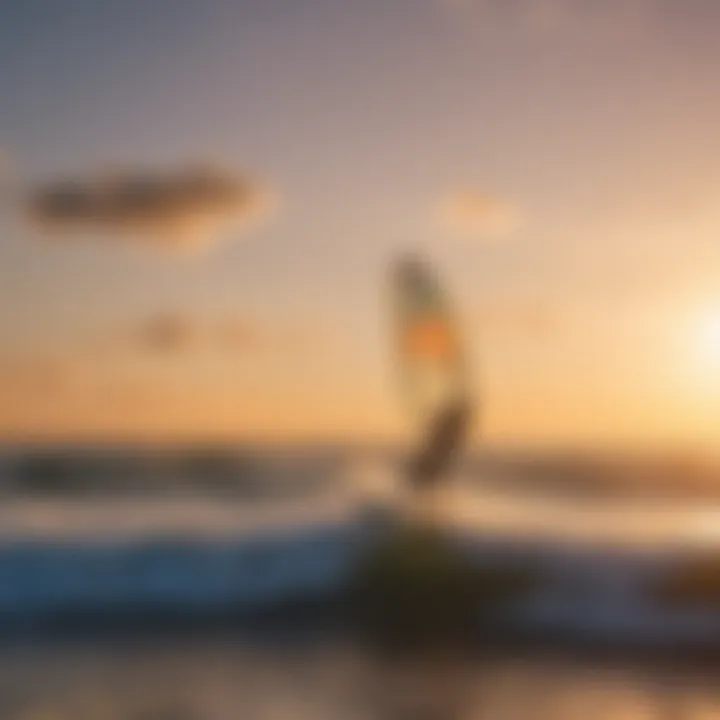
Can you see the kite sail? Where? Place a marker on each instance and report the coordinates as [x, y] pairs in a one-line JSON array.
[[433, 369]]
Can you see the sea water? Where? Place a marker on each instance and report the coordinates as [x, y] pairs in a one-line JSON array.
[[190, 548]]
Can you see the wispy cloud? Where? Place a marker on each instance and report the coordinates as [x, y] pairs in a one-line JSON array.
[[177, 333], [476, 214], [189, 208]]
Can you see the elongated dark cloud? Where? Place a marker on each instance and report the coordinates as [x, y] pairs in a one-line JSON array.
[[186, 209]]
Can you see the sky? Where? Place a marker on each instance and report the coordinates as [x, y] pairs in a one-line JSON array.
[[200, 200]]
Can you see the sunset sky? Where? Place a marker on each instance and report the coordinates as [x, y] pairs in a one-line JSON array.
[[201, 199]]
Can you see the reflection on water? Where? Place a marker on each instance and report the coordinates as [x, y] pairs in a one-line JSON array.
[[193, 680]]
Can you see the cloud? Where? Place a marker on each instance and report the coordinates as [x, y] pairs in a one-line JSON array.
[[178, 333], [480, 215], [189, 208], [168, 333]]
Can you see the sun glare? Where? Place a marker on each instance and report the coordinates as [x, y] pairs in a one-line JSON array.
[[705, 351], [709, 341]]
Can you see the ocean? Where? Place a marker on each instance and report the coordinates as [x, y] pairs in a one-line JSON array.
[[158, 585]]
